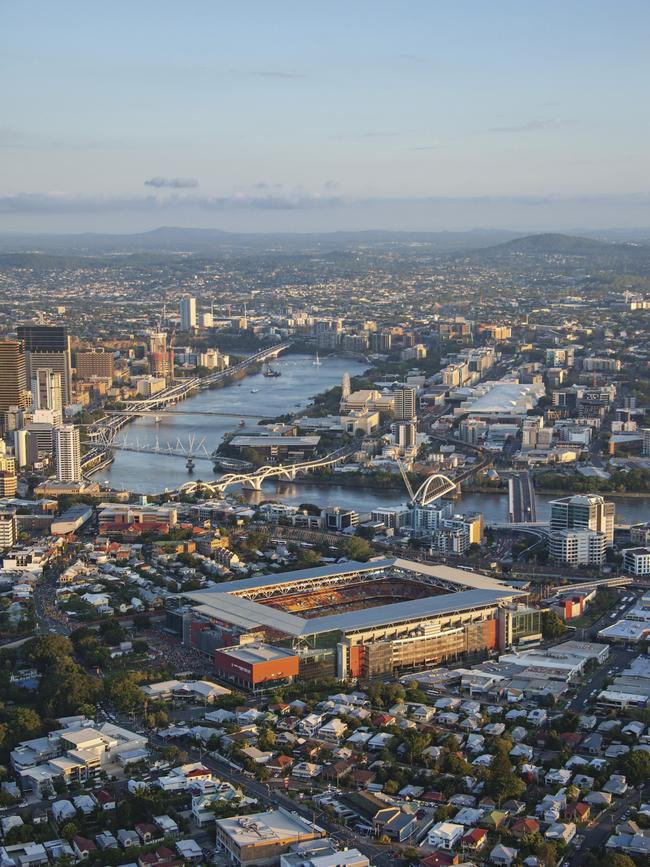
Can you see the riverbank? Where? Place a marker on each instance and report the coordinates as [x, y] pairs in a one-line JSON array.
[[339, 480]]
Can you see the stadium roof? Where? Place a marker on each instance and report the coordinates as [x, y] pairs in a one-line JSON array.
[[446, 574], [272, 579], [221, 602]]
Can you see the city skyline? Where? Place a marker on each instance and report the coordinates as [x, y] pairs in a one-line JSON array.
[[289, 118]]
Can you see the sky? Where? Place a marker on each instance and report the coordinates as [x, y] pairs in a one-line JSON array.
[[323, 115]]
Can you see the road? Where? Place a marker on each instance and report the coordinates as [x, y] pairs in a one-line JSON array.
[[48, 617], [617, 659], [521, 498], [598, 832]]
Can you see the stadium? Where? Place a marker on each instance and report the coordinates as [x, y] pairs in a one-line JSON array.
[[358, 619]]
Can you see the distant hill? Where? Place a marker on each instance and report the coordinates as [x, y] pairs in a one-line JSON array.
[[170, 239], [552, 244], [557, 244]]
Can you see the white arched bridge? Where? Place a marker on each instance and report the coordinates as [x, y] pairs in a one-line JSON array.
[[254, 480], [433, 488]]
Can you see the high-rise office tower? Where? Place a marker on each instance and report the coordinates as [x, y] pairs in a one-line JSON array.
[[188, 313], [68, 453], [588, 512], [405, 403], [46, 390], [94, 363], [13, 378], [48, 346]]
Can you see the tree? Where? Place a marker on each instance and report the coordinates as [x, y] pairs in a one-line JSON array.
[[125, 693], [307, 559], [636, 766], [356, 548], [24, 723], [67, 688], [502, 782], [69, 830], [553, 627], [266, 739], [45, 650], [547, 853], [568, 722], [415, 743], [111, 631], [620, 860]]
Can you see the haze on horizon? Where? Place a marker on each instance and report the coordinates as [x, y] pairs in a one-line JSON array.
[[324, 116]]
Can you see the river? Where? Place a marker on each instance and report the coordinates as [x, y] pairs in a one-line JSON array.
[[301, 379]]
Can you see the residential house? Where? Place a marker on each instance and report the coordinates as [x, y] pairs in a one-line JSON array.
[[83, 848], [148, 833], [579, 812], [445, 835], [474, 840], [561, 832], [333, 731], [523, 827], [503, 856], [616, 785], [306, 771]]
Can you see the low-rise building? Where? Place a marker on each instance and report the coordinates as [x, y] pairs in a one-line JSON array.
[[262, 838]]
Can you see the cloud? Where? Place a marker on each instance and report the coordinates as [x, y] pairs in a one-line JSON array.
[[531, 125], [11, 138], [478, 210], [65, 203], [381, 134], [172, 183], [279, 73]]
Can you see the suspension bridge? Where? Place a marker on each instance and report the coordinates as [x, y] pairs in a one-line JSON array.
[[191, 450]]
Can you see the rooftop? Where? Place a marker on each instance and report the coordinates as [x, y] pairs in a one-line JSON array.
[[256, 652], [228, 602], [274, 826]]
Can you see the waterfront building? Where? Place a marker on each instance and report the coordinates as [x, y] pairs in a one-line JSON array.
[[68, 453], [578, 547], [584, 512]]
